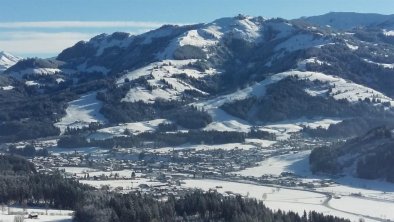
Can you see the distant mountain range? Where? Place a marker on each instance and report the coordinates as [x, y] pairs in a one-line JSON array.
[[351, 20]]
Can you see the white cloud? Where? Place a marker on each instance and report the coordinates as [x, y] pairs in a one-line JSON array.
[[40, 42], [81, 24]]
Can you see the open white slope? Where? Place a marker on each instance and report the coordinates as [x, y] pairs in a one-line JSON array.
[[132, 128], [210, 34], [163, 80], [7, 60], [81, 112]]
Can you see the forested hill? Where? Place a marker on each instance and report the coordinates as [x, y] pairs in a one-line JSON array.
[[369, 156]]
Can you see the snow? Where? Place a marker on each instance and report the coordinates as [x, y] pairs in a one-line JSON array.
[[157, 33], [162, 77], [125, 184], [292, 162], [149, 96], [44, 215], [275, 198], [31, 83], [369, 207], [35, 71], [76, 170], [81, 172], [388, 32], [348, 185], [134, 128], [7, 60], [120, 173], [322, 123], [341, 88], [301, 41], [352, 47], [59, 80], [302, 64], [282, 29], [81, 112], [377, 196], [194, 38], [210, 34], [111, 42], [6, 88], [231, 125], [384, 65]]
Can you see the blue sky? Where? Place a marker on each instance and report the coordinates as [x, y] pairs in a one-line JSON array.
[[45, 27]]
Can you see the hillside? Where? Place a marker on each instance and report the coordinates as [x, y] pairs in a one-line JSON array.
[[369, 156], [233, 73]]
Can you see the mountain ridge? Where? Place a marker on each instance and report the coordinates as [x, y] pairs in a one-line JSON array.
[[231, 69]]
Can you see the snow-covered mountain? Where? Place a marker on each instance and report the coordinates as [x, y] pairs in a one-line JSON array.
[[241, 71], [7, 60]]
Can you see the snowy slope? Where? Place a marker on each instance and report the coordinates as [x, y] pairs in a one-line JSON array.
[[35, 71], [163, 81], [7, 60], [134, 128], [210, 34], [81, 112]]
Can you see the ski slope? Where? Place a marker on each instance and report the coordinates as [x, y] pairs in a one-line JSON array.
[[81, 112]]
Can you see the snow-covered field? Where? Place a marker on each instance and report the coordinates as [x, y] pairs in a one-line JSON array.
[[128, 184], [295, 162], [285, 199], [81, 112], [50, 215], [134, 128], [372, 208], [77, 170], [81, 172], [377, 196]]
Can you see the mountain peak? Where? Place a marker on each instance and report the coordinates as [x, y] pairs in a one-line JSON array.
[[7, 60]]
